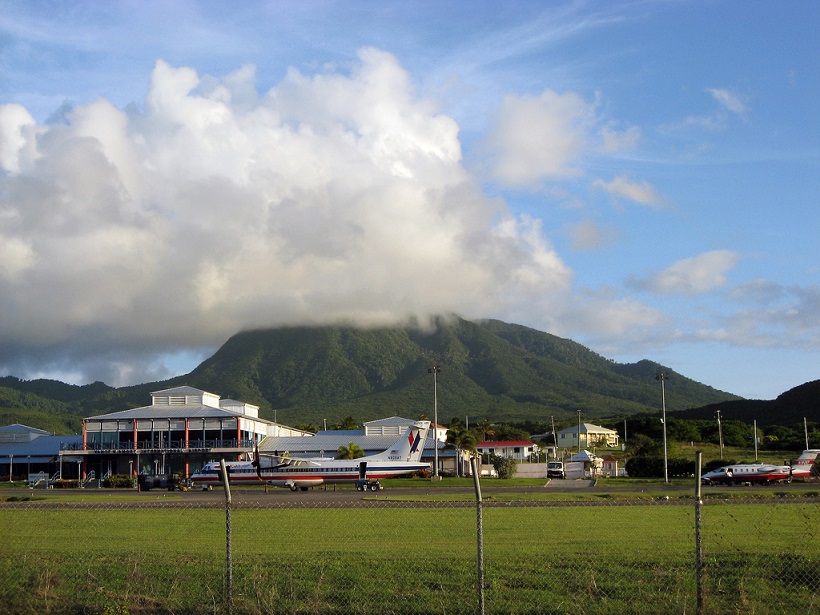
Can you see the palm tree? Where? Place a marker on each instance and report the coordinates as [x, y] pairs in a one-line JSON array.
[[351, 451], [462, 440], [487, 428], [348, 423]]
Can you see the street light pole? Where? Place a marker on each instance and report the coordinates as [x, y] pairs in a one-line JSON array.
[[663, 377], [435, 370]]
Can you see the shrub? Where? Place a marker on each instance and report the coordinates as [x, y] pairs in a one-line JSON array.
[[119, 481], [505, 466], [651, 466], [66, 484]]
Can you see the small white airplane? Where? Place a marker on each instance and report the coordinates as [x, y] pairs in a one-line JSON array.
[[403, 457], [747, 473], [762, 473]]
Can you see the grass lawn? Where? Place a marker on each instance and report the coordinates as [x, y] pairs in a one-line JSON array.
[[105, 557]]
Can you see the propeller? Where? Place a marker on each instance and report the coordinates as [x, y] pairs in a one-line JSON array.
[[255, 461]]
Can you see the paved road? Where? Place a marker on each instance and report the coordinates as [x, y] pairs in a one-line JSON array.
[[329, 496]]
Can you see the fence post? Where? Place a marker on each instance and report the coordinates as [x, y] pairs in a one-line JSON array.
[[228, 549], [698, 543], [479, 534]]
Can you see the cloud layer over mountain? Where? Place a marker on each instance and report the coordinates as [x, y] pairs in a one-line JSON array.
[[336, 197]]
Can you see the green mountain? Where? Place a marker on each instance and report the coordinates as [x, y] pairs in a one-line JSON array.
[[489, 370]]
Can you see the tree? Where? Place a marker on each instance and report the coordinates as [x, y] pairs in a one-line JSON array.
[[347, 423], [506, 467], [462, 440], [645, 466], [503, 431], [682, 431], [487, 429], [641, 445], [351, 451]]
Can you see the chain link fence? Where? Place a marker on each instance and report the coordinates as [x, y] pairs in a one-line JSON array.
[[744, 551]]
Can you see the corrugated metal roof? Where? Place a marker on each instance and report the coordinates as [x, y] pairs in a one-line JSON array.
[[393, 420], [17, 427], [182, 390], [347, 433], [163, 411], [44, 446]]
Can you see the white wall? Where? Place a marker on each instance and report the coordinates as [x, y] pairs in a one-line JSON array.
[[531, 470]]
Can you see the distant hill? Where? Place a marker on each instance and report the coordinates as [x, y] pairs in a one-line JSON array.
[[19, 406], [489, 370], [54, 389], [789, 408]]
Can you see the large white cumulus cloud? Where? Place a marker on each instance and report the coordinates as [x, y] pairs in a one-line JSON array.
[[211, 208]]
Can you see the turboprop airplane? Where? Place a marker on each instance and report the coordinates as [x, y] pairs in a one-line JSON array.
[[402, 457]]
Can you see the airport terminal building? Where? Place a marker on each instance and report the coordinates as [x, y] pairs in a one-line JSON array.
[[179, 432]]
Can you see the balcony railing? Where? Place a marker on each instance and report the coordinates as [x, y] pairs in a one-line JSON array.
[[160, 447]]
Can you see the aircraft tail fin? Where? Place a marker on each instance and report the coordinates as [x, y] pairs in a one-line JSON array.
[[805, 465], [409, 446]]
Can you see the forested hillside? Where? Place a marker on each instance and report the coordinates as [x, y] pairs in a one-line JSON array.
[[790, 407], [489, 370]]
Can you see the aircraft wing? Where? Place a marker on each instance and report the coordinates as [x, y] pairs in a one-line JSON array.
[[267, 461], [302, 463]]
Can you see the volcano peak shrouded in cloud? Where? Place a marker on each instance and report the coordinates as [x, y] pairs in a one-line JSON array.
[[300, 170]]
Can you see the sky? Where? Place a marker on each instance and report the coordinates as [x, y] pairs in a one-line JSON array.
[[640, 177]]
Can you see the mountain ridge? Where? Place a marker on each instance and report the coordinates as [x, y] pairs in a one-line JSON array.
[[489, 370]]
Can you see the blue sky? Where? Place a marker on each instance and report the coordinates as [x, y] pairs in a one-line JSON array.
[[640, 177]]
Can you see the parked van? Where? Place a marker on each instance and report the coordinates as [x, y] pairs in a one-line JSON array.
[[555, 469]]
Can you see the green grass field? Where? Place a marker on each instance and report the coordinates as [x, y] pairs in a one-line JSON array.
[[571, 557]]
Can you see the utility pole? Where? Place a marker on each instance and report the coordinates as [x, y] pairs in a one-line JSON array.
[[755, 438], [579, 432], [720, 434], [435, 370], [663, 377], [806, 432]]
